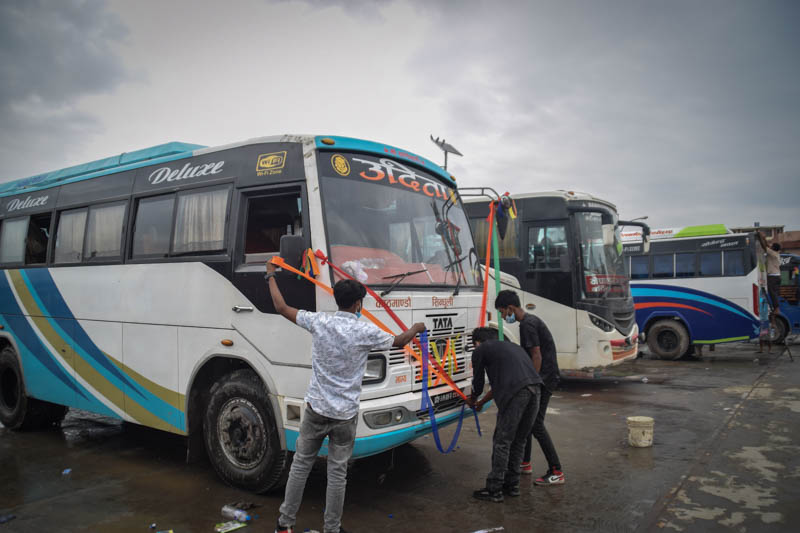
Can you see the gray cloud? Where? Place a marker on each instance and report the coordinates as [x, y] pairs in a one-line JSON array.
[[681, 110], [52, 54]]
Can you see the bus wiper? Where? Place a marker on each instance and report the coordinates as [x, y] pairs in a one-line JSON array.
[[400, 277], [458, 278]]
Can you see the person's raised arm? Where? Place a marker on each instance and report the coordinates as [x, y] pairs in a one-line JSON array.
[[288, 312], [408, 335], [763, 240]]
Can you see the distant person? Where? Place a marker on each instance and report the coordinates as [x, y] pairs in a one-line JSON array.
[[515, 389], [773, 271], [536, 340], [339, 349]]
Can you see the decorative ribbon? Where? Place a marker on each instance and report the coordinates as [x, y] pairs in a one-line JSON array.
[[428, 404]]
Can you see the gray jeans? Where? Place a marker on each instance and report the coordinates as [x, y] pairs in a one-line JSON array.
[[514, 424], [341, 437]]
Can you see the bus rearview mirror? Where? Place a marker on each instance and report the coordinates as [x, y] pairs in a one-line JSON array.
[[292, 248], [646, 244]]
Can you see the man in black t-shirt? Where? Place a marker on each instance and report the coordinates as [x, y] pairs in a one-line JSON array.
[[536, 340], [515, 389]]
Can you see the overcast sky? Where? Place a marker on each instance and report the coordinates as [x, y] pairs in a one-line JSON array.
[[685, 111]]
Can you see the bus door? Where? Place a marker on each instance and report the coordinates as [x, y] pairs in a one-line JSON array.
[[548, 283], [265, 215]]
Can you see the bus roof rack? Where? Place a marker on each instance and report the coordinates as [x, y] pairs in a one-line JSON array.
[[100, 166]]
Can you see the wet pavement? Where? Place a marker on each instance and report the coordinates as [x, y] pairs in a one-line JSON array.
[[726, 456]]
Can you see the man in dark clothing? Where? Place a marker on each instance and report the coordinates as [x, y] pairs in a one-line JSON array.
[[536, 340], [515, 388]]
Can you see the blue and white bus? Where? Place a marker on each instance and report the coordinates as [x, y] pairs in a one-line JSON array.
[[787, 322], [698, 285], [133, 287]]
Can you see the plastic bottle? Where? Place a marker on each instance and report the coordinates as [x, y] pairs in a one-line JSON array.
[[229, 511]]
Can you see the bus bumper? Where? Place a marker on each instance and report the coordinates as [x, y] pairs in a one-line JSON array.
[[371, 441]]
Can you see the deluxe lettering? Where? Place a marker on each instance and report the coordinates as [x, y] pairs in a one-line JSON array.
[[187, 171], [16, 204]]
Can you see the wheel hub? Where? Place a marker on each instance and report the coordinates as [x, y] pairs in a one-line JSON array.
[[668, 340], [241, 433]]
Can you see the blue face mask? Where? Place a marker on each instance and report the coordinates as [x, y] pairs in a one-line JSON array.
[[510, 319], [358, 313]]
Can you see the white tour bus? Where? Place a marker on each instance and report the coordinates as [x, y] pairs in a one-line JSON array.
[[563, 256], [133, 287]]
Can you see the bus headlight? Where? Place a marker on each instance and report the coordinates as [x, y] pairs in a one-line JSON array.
[[600, 323], [376, 370]]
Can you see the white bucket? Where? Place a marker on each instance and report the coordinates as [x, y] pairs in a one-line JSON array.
[[640, 431]]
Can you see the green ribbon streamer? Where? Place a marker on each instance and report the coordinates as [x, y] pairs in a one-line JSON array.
[[496, 253]]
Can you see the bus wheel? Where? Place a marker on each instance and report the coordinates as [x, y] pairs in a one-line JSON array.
[[668, 339], [17, 411], [777, 333], [240, 433]]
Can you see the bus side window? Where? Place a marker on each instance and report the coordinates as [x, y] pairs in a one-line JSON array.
[[640, 267], [104, 231], [268, 219], [69, 236], [153, 225], [733, 261], [710, 264], [546, 244], [508, 247], [38, 239], [12, 240], [685, 265], [663, 266], [200, 221]]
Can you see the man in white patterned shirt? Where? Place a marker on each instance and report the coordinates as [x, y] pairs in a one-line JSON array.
[[339, 350]]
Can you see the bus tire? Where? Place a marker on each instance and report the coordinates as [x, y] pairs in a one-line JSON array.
[[668, 339], [17, 410], [241, 435], [777, 334]]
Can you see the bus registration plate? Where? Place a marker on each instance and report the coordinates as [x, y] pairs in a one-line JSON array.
[[445, 397]]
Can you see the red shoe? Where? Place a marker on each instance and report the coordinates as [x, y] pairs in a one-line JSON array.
[[527, 468], [552, 477]]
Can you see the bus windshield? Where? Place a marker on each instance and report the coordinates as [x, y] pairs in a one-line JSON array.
[[393, 230], [603, 265]]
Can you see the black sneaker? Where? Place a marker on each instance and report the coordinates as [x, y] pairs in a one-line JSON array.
[[487, 495], [511, 491]]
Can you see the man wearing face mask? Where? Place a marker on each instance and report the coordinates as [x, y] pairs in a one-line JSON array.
[[339, 349], [537, 341]]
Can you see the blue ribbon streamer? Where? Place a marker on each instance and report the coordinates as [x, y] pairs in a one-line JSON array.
[[427, 403]]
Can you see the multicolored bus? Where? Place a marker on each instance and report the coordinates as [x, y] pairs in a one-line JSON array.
[[133, 287], [563, 255], [787, 322], [698, 285]]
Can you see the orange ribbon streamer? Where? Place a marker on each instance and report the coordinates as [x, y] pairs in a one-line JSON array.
[[482, 321]]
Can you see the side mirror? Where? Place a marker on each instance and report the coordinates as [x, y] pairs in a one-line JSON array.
[[646, 244], [608, 234], [292, 248]]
